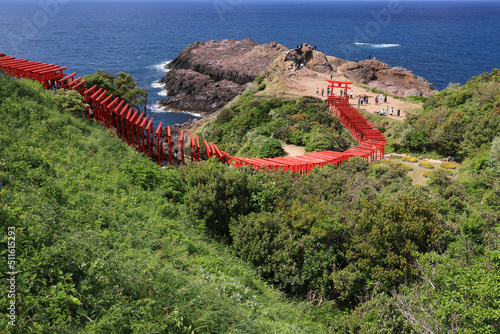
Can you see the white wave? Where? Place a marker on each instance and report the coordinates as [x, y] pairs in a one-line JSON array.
[[155, 108], [382, 45], [161, 67], [157, 85], [158, 109]]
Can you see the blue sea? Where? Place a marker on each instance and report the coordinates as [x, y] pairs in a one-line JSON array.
[[444, 42]]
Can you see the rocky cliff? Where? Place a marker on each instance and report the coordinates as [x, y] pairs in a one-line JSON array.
[[395, 80], [207, 75]]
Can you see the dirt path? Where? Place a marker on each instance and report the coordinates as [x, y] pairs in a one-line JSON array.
[[293, 150], [308, 81]]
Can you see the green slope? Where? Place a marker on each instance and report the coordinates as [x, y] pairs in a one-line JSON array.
[[102, 243]]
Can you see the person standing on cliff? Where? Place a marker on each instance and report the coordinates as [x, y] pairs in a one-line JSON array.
[[317, 90], [399, 112]]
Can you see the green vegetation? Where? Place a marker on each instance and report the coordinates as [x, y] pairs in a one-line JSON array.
[[448, 171], [459, 122], [409, 159], [103, 243], [429, 175], [256, 126], [110, 243], [366, 247], [426, 164], [122, 85], [447, 165]]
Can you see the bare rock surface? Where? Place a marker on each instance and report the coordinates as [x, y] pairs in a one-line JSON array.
[[207, 75], [395, 80]]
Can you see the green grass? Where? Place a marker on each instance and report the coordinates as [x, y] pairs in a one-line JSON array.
[[103, 243]]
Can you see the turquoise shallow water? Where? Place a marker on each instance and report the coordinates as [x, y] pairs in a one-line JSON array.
[[441, 41]]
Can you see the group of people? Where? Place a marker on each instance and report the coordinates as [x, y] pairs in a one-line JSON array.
[[311, 47], [383, 99], [386, 112], [362, 100], [323, 91]]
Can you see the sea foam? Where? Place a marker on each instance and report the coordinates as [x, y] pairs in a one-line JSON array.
[[156, 108], [381, 45], [161, 67]]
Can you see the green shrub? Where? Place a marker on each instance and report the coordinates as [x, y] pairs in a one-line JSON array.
[[447, 165], [386, 235], [425, 164], [215, 195], [409, 159]]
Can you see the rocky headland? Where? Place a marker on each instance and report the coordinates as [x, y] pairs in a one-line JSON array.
[[205, 76]]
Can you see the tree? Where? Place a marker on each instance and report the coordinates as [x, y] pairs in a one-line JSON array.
[[69, 100], [122, 85]]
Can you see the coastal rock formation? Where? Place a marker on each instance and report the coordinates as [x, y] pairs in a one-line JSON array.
[[207, 75], [358, 72], [396, 80]]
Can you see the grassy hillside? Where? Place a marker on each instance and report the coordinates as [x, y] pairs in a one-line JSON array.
[[109, 243], [371, 251], [103, 243]]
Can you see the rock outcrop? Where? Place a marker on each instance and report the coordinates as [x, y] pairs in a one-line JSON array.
[[396, 80], [207, 75]]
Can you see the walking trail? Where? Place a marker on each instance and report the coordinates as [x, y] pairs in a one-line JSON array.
[[309, 80]]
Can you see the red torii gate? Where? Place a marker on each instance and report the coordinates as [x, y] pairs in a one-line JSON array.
[[343, 85]]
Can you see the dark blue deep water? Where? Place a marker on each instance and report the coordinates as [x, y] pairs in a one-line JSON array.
[[442, 41]]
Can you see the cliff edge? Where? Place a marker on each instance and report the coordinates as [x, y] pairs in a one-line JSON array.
[[207, 75]]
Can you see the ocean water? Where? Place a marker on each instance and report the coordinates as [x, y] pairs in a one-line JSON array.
[[442, 41]]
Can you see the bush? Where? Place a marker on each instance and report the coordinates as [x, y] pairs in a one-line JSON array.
[[323, 140], [447, 165], [215, 195], [425, 164], [387, 233], [69, 101], [409, 159]]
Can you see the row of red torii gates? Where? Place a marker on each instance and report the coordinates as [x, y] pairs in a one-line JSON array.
[[371, 141], [136, 128]]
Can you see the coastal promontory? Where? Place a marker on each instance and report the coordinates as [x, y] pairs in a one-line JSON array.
[[207, 75]]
